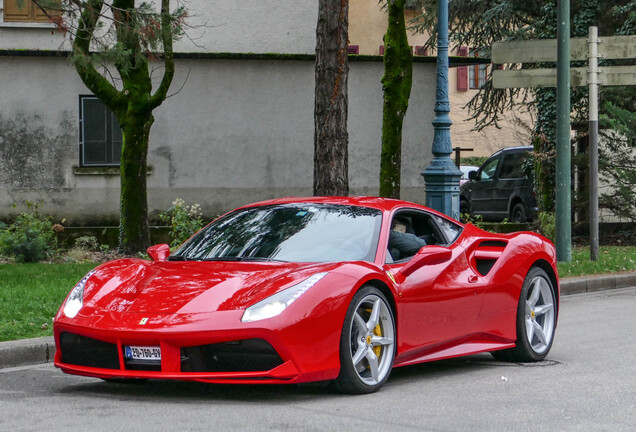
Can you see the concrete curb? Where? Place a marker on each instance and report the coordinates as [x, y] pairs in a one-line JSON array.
[[597, 283], [26, 351], [42, 350]]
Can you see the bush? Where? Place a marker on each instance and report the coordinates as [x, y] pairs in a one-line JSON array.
[[183, 220], [30, 238], [547, 225], [87, 243]]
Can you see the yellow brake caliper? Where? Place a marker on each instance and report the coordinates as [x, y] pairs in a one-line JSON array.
[[378, 332]]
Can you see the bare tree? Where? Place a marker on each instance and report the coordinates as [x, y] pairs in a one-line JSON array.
[[331, 139]]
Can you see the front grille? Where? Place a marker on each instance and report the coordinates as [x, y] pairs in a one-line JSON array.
[[84, 351], [142, 365], [249, 355]]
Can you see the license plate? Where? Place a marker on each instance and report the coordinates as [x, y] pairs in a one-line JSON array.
[[142, 353]]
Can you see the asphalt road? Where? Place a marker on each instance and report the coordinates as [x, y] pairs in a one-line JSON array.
[[588, 383]]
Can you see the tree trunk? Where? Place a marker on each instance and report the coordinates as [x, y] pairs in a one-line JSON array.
[[331, 139], [134, 234], [396, 84]]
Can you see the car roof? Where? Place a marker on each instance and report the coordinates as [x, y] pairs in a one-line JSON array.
[[515, 149], [384, 204]]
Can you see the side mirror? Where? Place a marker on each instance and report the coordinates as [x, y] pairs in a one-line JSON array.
[[472, 175], [159, 252], [428, 255]]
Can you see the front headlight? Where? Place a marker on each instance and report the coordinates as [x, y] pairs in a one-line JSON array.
[[274, 305], [75, 299]]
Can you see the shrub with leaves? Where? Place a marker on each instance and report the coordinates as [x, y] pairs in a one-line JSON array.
[[87, 243], [547, 225], [30, 238], [183, 221]]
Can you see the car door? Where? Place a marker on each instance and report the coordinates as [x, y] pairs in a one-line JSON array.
[[508, 182], [481, 188], [440, 302]]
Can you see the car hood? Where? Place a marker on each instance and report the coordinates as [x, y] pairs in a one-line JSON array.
[[132, 285]]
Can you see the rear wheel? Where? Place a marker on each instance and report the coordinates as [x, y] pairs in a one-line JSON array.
[[518, 214], [536, 319], [367, 343]]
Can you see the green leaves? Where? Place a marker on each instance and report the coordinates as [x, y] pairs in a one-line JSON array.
[[183, 221]]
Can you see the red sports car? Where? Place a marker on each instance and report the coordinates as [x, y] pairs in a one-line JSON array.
[[309, 289]]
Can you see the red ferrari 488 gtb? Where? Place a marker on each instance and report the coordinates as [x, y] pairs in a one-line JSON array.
[[310, 289]]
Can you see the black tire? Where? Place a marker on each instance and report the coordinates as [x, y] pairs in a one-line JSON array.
[[361, 347], [518, 214], [537, 313]]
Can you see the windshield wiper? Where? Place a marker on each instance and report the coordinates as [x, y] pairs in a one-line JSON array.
[[177, 258], [224, 258], [260, 259]]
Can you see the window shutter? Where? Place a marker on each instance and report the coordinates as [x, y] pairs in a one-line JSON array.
[[462, 78], [462, 71], [353, 49], [381, 50], [421, 51], [15, 13]]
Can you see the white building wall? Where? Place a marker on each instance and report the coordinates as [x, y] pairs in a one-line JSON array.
[[245, 26]]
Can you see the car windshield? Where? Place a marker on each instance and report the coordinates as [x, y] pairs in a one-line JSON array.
[[292, 232]]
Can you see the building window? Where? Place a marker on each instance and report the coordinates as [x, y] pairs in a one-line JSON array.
[[25, 11], [100, 134], [477, 74]]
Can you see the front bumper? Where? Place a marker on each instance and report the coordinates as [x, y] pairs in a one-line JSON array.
[[270, 351]]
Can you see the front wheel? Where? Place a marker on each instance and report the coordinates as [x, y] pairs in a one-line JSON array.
[[367, 343], [536, 319]]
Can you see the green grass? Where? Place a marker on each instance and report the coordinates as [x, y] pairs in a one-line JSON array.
[[612, 259], [31, 294]]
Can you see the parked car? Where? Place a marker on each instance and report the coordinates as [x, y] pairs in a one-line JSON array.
[[465, 169], [502, 188], [313, 289]]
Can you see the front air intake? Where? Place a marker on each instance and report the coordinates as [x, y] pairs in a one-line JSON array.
[[84, 351], [249, 355]]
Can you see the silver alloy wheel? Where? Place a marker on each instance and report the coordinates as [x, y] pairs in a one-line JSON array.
[[372, 340], [540, 315]]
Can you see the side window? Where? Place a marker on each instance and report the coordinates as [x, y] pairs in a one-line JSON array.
[[413, 229], [488, 170], [25, 11], [512, 166], [451, 230], [100, 134]]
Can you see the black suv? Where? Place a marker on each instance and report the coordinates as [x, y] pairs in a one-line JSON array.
[[501, 188]]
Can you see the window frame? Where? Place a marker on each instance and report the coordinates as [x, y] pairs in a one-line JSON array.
[[424, 217], [34, 18], [109, 141], [486, 164], [477, 74]]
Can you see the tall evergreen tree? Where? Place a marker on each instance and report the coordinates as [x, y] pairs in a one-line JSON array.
[[479, 24]]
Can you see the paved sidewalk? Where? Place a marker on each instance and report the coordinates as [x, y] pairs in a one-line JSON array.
[[42, 350]]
